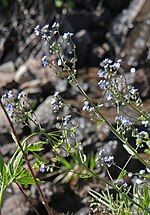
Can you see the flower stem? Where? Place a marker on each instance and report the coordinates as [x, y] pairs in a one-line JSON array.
[[20, 188], [45, 202], [109, 124]]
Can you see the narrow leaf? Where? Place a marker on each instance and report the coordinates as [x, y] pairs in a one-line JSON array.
[[121, 175], [1, 164], [128, 149]]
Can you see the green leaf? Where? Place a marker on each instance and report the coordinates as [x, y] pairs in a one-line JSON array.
[[25, 180], [128, 149], [37, 157], [82, 157], [35, 147], [65, 163], [18, 162], [24, 177], [27, 138], [121, 175], [1, 164], [86, 176], [14, 138], [99, 122]]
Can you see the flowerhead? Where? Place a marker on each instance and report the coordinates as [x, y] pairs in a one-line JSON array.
[[45, 62], [42, 168], [67, 35]]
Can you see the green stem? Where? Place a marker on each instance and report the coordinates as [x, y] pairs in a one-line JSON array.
[[110, 126], [1, 196], [108, 183]]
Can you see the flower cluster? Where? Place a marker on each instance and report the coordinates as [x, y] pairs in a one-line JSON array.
[[57, 102], [57, 43], [42, 167], [110, 68], [103, 159], [87, 106], [16, 105], [143, 135], [113, 82], [123, 122], [45, 32], [66, 120]]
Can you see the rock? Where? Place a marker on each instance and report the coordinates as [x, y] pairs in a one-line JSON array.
[[45, 115], [23, 74], [129, 33], [103, 131], [41, 73], [5, 130], [8, 67], [16, 205], [7, 73], [61, 85], [142, 83], [7, 150]]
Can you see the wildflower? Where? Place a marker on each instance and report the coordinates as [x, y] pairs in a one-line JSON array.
[[21, 95], [116, 64], [86, 106], [37, 30], [55, 25], [10, 109], [66, 119], [108, 96], [104, 159], [125, 185], [107, 61], [57, 102], [45, 28], [123, 121], [142, 134], [10, 94], [100, 73], [103, 84], [142, 171], [144, 122], [108, 159], [45, 62], [42, 168], [67, 35], [59, 62]]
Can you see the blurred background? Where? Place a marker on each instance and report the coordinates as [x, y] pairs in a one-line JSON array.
[[102, 29]]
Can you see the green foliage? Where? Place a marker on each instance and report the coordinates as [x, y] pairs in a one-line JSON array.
[[15, 171], [121, 203], [72, 170]]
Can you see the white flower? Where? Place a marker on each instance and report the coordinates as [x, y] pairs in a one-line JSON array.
[[59, 62], [67, 35], [55, 25]]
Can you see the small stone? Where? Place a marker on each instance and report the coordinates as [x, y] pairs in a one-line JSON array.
[[7, 73], [103, 131], [23, 74]]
